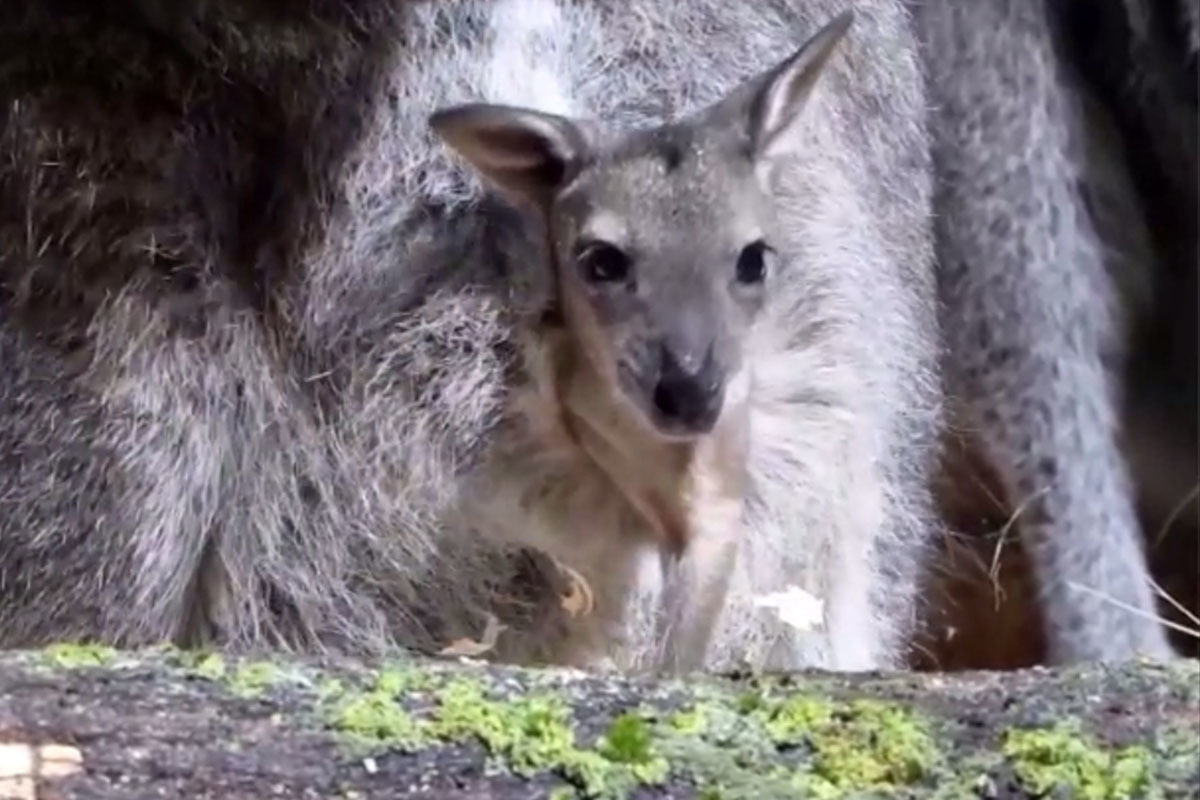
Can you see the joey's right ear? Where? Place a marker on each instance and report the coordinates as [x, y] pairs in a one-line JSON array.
[[527, 153], [781, 93]]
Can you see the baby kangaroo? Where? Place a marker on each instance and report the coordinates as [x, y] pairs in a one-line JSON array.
[[669, 249], [284, 371]]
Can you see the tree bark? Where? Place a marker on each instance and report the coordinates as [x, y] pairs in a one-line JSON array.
[[167, 724]]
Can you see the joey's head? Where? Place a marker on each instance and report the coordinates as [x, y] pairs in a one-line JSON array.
[[661, 238]]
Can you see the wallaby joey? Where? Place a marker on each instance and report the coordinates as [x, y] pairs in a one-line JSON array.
[[657, 375], [288, 366]]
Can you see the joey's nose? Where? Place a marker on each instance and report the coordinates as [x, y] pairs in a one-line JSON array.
[[688, 394]]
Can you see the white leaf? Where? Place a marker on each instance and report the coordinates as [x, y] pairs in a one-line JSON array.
[[795, 607]]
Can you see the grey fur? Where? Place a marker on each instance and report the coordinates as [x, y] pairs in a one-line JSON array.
[[261, 332], [1046, 264], [1140, 60]]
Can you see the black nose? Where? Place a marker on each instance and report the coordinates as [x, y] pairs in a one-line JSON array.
[[688, 399]]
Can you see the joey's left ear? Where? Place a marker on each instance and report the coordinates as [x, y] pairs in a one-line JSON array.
[[526, 153], [779, 95]]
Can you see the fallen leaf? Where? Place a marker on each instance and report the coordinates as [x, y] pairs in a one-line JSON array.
[[470, 647], [580, 599]]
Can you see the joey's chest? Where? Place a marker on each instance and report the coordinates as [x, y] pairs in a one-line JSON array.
[[573, 465], [671, 486]]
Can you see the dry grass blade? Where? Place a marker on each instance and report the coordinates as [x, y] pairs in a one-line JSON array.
[[1175, 626], [1178, 606]]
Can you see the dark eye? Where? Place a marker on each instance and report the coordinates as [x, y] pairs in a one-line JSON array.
[[752, 263], [603, 263]]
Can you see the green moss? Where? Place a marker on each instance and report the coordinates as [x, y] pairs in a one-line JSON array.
[[976, 774], [249, 679], [727, 754], [530, 734], [689, 722], [774, 744], [1178, 751], [204, 663], [877, 745], [796, 718], [1062, 758], [750, 701], [768, 743], [1185, 676], [72, 655], [399, 678], [863, 745], [374, 718], [629, 741]]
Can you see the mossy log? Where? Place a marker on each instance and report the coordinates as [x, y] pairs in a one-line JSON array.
[[172, 724]]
